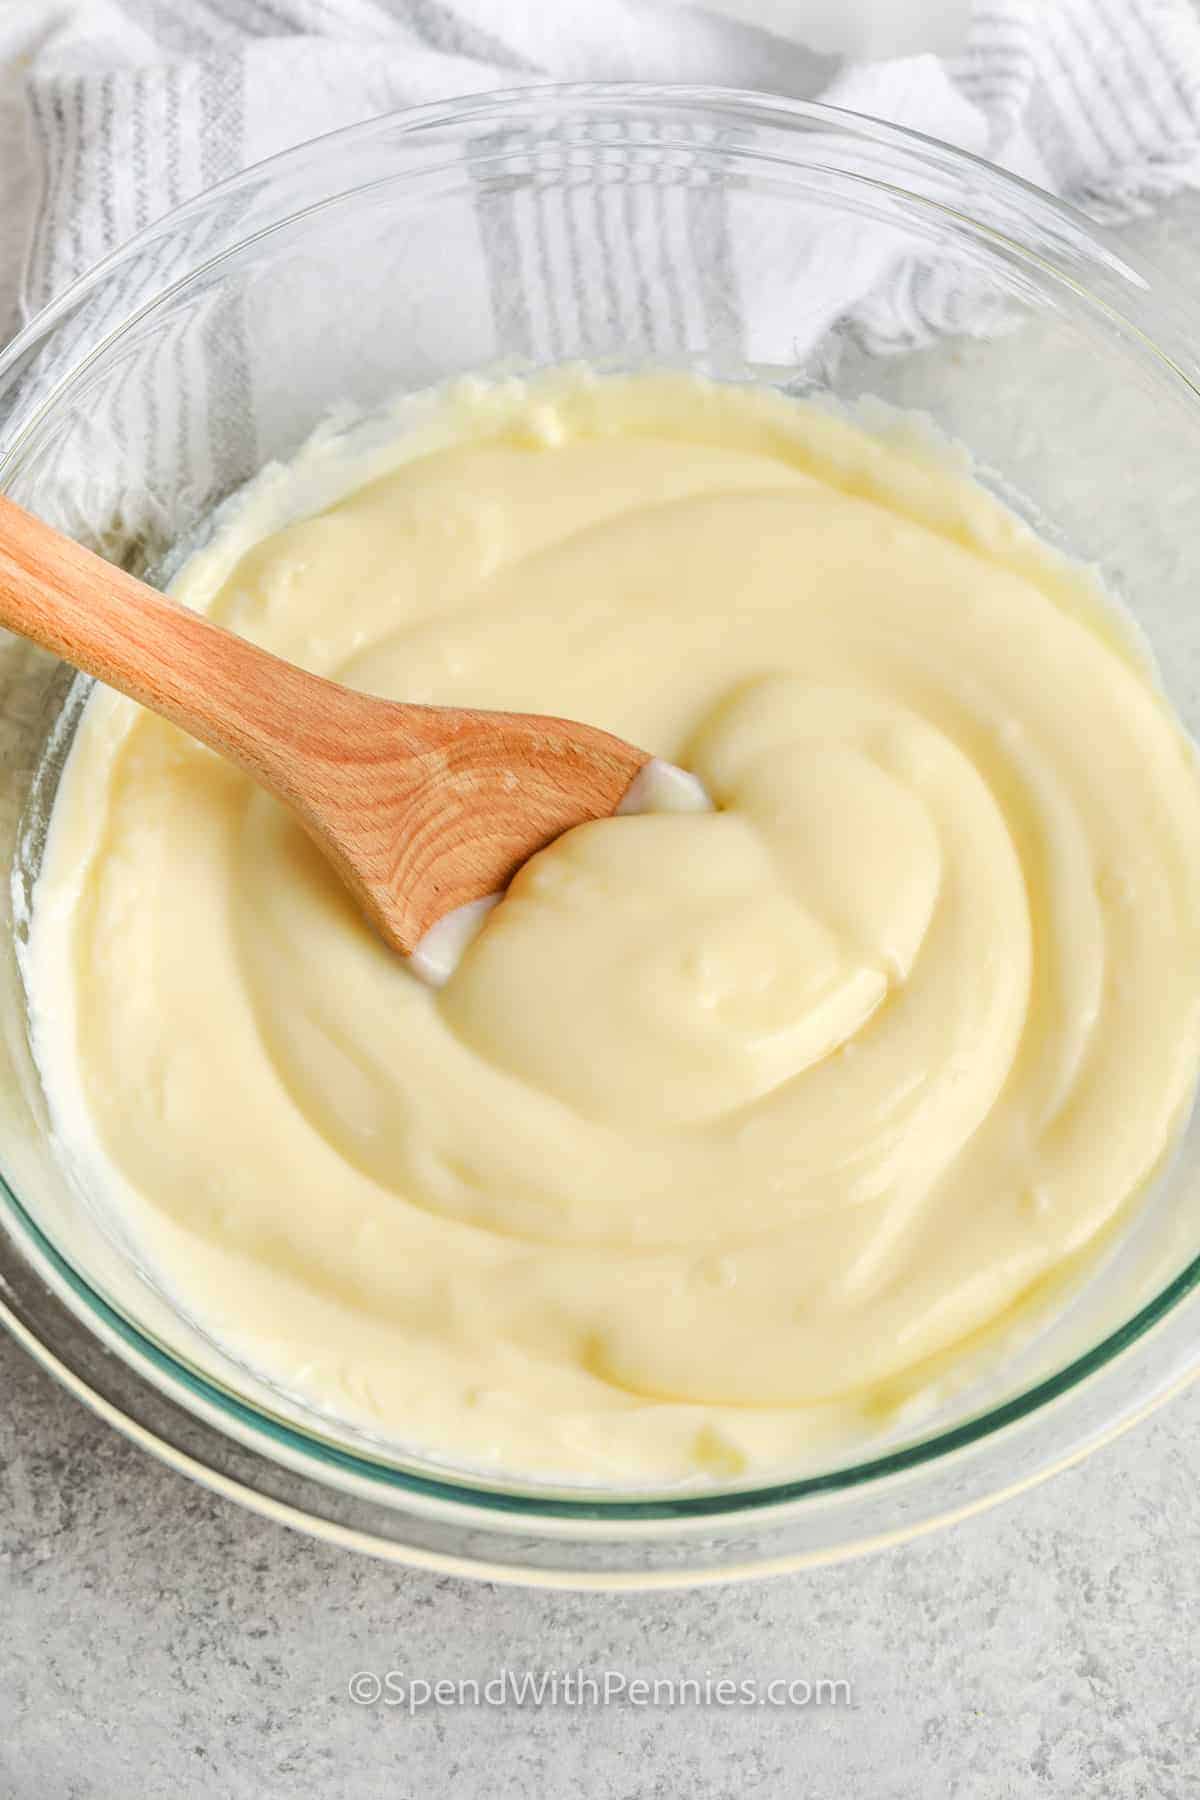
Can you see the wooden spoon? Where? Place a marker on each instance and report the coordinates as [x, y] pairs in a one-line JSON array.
[[420, 809]]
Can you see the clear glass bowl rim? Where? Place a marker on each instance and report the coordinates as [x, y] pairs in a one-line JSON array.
[[1018, 199]]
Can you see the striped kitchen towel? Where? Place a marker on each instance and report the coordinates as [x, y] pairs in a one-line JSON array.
[[131, 106], [112, 112]]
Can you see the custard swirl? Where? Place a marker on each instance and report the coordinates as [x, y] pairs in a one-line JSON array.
[[727, 1123]]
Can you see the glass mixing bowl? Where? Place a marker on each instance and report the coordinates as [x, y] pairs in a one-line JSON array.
[[739, 235]]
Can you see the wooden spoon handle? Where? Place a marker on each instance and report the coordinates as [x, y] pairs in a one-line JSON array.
[[419, 808], [236, 698]]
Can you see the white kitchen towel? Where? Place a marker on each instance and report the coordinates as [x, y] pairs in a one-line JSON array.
[[129, 107], [134, 105]]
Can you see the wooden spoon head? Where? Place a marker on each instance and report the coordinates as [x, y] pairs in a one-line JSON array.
[[427, 808], [420, 808]]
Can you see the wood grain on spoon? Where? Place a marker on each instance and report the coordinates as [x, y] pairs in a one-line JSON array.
[[419, 808]]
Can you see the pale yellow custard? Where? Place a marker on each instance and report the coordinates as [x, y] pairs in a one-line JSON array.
[[727, 1123]]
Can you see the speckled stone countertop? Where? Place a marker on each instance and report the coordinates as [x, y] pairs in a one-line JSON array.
[[157, 1642]]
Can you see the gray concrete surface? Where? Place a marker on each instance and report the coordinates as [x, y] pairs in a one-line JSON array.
[[156, 1642]]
